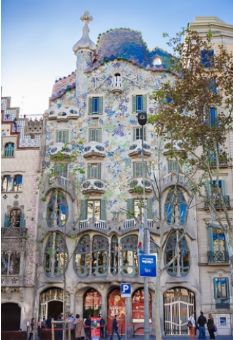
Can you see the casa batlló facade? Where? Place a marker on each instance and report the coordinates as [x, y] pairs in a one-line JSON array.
[[92, 175]]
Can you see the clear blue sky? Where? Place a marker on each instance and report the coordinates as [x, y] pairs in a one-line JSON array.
[[38, 36]]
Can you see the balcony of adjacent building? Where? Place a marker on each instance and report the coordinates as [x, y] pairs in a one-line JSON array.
[[218, 257], [93, 186], [137, 147], [14, 225], [219, 203], [94, 149]]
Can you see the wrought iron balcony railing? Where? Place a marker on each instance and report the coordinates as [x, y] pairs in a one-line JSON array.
[[218, 257]]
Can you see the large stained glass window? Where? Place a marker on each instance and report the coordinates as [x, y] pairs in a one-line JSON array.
[[129, 256], [82, 257], [57, 210], [175, 209], [99, 255]]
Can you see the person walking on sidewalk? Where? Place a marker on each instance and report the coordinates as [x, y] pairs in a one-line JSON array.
[[115, 328], [191, 327], [211, 327], [201, 322]]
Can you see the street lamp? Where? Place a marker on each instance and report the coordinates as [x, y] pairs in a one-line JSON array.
[[142, 119]]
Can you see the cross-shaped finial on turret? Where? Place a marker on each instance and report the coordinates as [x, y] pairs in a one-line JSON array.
[[86, 17]]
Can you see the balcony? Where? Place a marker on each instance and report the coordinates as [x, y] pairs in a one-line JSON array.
[[94, 149], [61, 150], [218, 257], [87, 224], [222, 303], [137, 185], [135, 148], [90, 186], [14, 232], [64, 114], [132, 223], [60, 182], [173, 179], [219, 203], [11, 280]]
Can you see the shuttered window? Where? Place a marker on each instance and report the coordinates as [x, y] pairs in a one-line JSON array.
[[62, 136], [95, 135], [95, 105], [94, 171], [139, 103], [138, 133], [60, 169], [173, 166], [138, 169]]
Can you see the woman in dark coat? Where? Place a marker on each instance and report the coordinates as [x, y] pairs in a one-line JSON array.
[[211, 327]]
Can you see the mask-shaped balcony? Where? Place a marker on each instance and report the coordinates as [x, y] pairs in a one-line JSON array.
[[136, 185], [93, 186], [135, 148], [64, 114], [94, 149], [61, 149]]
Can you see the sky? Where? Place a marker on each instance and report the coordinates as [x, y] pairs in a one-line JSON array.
[[38, 36]]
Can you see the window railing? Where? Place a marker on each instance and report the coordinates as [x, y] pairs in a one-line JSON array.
[[215, 257], [219, 204]]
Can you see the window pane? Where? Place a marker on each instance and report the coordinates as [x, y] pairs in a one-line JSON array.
[[139, 103], [95, 135], [221, 288], [93, 210], [62, 136], [95, 105]]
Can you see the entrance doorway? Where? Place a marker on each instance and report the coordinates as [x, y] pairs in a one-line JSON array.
[[179, 304], [11, 314], [91, 303], [55, 308], [51, 303], [116, 306]]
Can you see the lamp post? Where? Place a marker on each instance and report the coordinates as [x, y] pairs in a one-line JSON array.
[[142, 119]]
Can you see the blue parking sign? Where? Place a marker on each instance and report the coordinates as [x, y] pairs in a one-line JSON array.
[[125, 289], [147, 265]]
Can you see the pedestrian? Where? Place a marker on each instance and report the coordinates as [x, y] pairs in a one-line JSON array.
[[71, 325], [115, 328], [102, 327], [87, 326], [31, 328], [211, 327], [201, 322], [79, 328], [191, 327]]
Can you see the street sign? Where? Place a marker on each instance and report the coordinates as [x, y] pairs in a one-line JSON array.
[[125, 289], [147, 265]]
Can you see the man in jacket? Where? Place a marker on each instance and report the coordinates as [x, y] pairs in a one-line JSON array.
[[201, 321], [115, 328]]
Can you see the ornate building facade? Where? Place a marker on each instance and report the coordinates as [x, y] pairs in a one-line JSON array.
[[21, 142], [90, 207]]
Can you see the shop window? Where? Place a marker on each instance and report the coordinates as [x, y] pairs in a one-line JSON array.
[[9, 150], [114, 255], [56, 255], [138, 307], [175, 208], [129, 256], [95, 105], [57, 210], [92, 303], [99, 255], [10, 263], [177, 256], [82, 258]]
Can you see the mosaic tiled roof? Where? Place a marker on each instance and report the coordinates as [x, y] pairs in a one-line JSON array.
[[127, 44]]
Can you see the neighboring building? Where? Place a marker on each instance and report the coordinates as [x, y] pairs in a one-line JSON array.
[[21, 140], [213, 257], [90, 206]]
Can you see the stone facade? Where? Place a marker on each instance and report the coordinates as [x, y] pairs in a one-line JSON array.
[[92, 182]]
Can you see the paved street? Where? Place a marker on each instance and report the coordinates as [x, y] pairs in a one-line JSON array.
[[218, 337]]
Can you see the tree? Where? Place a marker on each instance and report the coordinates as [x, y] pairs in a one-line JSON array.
[[194, 118]]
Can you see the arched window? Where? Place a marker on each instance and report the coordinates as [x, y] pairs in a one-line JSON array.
[[129, 256], [11, 315], [114, 255], [57, 210], [16, 218], [138, 305], [51, 303], [177, 255], [7, 183], [56, 254], [175, 207], [92, 303], [17, 184], [82, 258], [9, 150], [99, 255], [10, 263]]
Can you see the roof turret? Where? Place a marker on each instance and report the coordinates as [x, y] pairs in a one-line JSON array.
[[85, 42]]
